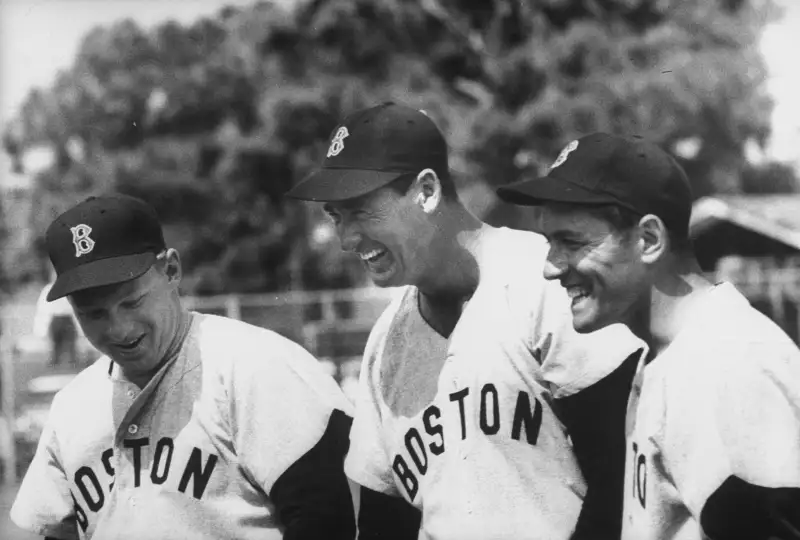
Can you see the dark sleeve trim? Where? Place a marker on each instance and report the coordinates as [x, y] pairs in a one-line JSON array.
[[312, 498], [739, 510], [384, 517], [595, 422]]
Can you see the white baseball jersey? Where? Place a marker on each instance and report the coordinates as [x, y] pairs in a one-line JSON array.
[[463, 428], [198, 453], [722, 401]]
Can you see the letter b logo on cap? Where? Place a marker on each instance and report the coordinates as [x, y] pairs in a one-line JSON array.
[[562, 157], [80, 237], [337, 143]]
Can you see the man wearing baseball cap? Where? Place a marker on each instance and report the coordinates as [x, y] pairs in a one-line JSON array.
[[455, 414], [712, 436], [189, 425]]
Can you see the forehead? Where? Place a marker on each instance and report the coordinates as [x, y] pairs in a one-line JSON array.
[[565, 218], [108, 295], [372, 199]]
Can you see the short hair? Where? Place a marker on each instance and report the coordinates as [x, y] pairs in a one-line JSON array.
[[624, 219], [620, 218], [402, 184]]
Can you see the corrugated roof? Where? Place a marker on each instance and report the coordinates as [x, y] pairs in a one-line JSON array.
[[774, 216]]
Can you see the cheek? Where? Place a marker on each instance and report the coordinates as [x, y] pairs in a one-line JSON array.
[[95, 331], [412, 245], [613, 263], [90, 329], [388, 233], [161, 318]]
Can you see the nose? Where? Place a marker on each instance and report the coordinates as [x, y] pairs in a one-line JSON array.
[[349, 236], [555, 266], [119, 327]]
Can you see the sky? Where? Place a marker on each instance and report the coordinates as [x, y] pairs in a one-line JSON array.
[[780, 45], [39, 37]]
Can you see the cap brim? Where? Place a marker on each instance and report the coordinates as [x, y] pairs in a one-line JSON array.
[[101, 272], [330, 185], [538, 191]]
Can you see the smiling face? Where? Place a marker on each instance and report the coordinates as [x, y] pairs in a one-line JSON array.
[[389, 230], [134, 322], [600, 266]]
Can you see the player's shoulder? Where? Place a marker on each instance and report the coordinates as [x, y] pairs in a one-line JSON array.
[[518, 249], [216, 334], [517, 278], [83, 390], [242, 353], [517, 260], [736, 342], [738, 326], [225, 345]]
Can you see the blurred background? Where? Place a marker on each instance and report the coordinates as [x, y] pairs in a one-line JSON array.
[[212, 109]]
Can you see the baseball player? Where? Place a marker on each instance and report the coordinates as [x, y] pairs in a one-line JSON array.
[[189, 425], [713, 427], [454, 414]]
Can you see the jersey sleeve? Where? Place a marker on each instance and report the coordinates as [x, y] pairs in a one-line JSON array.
[[290, 423], [736, 453], [367, 462], [44, 503], [570, 361]]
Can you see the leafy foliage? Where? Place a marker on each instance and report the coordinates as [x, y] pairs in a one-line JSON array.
[[212, 122]]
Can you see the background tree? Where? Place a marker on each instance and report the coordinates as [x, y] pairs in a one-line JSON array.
[[212, 122]]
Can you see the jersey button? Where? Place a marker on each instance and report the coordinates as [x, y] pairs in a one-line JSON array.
[[131, 394], [133, 429]]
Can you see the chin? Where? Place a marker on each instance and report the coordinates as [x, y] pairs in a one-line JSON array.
[[582, 327], [389, 279], [588, 322]]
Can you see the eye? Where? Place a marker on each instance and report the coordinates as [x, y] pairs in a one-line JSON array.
[[131, 304], [571, 243], [333, 215], [92, 315]]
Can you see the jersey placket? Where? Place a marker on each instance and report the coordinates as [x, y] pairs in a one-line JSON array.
[[131, 430]]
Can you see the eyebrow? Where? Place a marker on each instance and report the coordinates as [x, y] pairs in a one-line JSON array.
[[98, 303], [348, 205], [562, 234]]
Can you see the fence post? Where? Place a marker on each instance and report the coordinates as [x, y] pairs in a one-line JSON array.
[[328, 302], [233, 307], [7, 407]]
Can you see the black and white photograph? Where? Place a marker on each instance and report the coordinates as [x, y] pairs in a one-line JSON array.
[[400, 269]]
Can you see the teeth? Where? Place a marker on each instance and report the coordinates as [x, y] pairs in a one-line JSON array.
[[575, 292], [130, 344], [370, 254]]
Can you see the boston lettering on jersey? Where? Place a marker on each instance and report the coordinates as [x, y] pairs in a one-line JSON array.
[[527, 418], [639, 476], [196, 470]]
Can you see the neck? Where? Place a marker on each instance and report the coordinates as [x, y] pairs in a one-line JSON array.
[[671, 300], [181, 331], [455, 271]]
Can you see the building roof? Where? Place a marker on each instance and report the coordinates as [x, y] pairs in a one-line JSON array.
[[774, 216]]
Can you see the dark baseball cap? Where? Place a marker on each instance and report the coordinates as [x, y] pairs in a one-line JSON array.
[[371, 148], [101, 241], [606, 169]]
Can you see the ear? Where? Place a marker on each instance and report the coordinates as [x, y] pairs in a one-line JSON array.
[[173, 268], [427, 191], [653, 239]]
